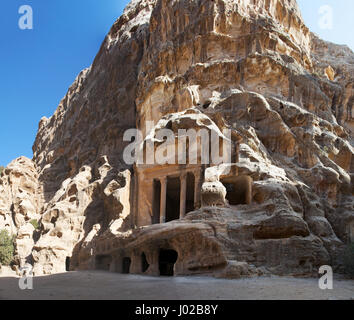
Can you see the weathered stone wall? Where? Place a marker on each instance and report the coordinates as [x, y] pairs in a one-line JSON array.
[[249, 66]]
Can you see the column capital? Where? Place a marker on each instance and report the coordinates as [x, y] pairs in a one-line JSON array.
[[183, 176], [163, 179], [197, 174]]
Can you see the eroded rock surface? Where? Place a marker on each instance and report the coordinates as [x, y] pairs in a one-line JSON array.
[[249, 66]]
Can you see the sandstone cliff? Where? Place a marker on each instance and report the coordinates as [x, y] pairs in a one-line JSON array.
[[250, 66]]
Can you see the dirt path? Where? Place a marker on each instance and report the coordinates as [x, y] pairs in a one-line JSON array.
[[103, 285]]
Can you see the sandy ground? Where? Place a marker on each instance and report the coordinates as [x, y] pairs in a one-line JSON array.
[[104, 285]]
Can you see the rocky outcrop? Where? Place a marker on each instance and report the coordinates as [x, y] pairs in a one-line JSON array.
[[252, 67], [20, 205], [336, 63], [88, 201]]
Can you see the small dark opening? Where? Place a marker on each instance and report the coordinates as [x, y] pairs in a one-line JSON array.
[[103, 262], [302, 263], [207, 105], [167, 260], [169, 125], [126, 265], [67, 264], [156, 203], [134, 29], [144, 263], [173, 199]]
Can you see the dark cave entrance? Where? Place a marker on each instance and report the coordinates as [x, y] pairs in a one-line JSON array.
[[67, 264], [231, 194], [144, 263], [126, 265], [234, 194], [167, 260], [103, 262], [156, 202], [173, 199], [239, 189]]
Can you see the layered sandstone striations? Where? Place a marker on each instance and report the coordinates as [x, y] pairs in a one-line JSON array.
[[249, 66]]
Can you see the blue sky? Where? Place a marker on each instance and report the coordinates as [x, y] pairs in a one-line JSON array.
[[39, 65], [343, 21]]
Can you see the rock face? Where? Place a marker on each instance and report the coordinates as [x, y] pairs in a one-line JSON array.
[[251, 67], [20, 204]]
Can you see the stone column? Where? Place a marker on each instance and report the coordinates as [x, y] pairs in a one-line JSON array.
[[197, 189], [154, 269], [163, 182], [183, 196], [135, 265]]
